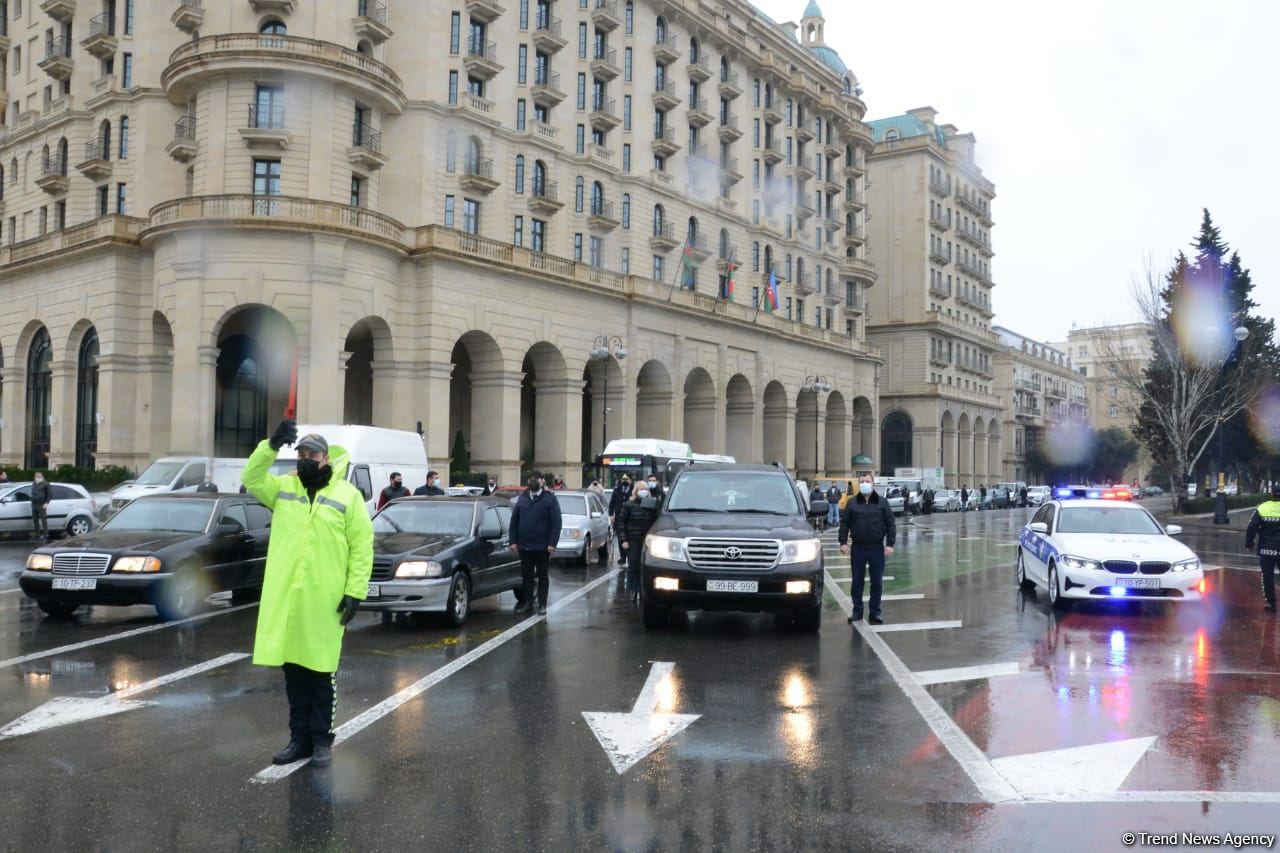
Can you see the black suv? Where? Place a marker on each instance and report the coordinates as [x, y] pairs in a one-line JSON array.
[[734, 537]]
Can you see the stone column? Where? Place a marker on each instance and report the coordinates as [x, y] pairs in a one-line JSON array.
[[980, 467], [436, 417], [801, 441], [927, 439], [495, 423], [62, 411], [12, 414], [123, 434], [194, 362], [951, 458], [557, 429], [320, 386], [995, 452]]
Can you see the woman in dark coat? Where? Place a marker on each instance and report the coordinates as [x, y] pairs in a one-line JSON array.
[[635, 519]]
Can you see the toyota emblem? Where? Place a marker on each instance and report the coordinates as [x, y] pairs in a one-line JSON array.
[[733, 552]]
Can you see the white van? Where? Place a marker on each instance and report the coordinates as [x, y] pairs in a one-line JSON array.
[[375, 454], [179, 474]]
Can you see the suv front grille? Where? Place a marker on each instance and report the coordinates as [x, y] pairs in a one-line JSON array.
[[80, 564], [743, 555]]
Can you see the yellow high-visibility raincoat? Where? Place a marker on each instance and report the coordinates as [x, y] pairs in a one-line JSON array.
[[319, 552]]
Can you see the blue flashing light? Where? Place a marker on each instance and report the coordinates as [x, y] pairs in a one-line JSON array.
[[1118, 592], [1063, 493], [1094, 494]]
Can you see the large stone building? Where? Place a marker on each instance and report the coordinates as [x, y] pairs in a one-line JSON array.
[[1043, 390], [436, 209], [1096, 352], [930, 315]]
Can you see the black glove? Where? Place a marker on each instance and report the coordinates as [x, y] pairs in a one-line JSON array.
[[286, 433], [348, 607]]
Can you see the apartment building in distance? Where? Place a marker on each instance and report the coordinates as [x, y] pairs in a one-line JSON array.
[[1095, 352], [1043, 390], [930, 312], [508, 222]]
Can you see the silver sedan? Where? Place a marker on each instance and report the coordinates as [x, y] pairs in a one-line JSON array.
[[584, 528], [71, 509]]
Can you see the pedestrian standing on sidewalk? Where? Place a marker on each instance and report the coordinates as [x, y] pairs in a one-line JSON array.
[[833, 504], [393, 491], [321, 555], [982, 497], [40, 506], [637, 517], [535, 530], [1264, 527], [867, 524]]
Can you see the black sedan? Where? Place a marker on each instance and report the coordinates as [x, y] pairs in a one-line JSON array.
[[170, 551], [435, 555]]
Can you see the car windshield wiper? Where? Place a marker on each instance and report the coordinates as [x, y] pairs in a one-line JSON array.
[[696, 509], [760, 511]]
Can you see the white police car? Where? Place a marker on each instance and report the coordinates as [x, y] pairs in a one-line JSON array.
[[1095, 544]]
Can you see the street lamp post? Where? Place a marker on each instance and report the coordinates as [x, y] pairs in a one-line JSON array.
[[818, 385], [1220, 515], [603, 348]]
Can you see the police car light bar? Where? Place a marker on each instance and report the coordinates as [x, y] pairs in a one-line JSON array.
[[1096, 494]]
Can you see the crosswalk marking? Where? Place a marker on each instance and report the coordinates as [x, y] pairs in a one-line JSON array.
[[965, 673], [915, 626]]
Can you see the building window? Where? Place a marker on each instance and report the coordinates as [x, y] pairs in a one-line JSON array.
[[448, 211], [626, 157], [520, 111], [39, 399], [455, 32], [451, 152], [538, 233], [453, 88], [626, 261], [522, 74], [582, 91], [518, 236], [630, 17], [582, 39], [357, 191], [626, 210], [471, 216], [578, 188], [524, 14], [266, 182], [520, 174], [60, 215], [104, 200], [581, 140], [126, 75], [577, 247], [657, 268], [124, 137], [626, 112], [122, 197], [626, 65], [42, 221], [128, 17], [596, 251]]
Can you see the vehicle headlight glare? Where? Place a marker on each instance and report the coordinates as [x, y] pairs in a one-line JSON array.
[[40, 562], [801, 551], [665, 548], [419, 569], [1080, 562], [135, 565], [1188, 565], [571, 533]]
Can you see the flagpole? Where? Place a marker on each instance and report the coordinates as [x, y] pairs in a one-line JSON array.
[[758, 301], [676, 280]]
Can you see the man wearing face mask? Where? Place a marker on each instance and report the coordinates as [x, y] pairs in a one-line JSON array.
[[393, 491], [621, 494], [634, 521], [490, 487], [432, 487], [867, 522], [40, 506], [318, 566], [655, 488], [534, 532]]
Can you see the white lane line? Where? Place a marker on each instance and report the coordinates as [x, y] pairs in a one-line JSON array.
[[48, 653], [171, 677], [13, 591], [898, 596], [915, 626], [991, 785], [850, 580], [965, 673], [1164, 797], [371, 715]]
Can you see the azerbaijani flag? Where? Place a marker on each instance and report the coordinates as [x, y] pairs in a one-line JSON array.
[[729, 268], [771, 294], [687, 268]]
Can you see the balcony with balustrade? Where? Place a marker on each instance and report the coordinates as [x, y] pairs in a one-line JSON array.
[[771, 151], [189, 16], [601, 216], [604, 114], [773, 113], [477, 176], [547, 37], [57, 59], [184, 146], [663, 239], [664, 142], [265, 127], [730, 174], [101, 42], [604, 63], [666, 96], [699, 69], [485, 11], [61, 11], [605, 15], [699, 114], [481, 59], [370, 21], [96, 165], [667, 50], [366, 148], [729, 130], [546, 91], [545, 198], [53, 177], [730, 85]]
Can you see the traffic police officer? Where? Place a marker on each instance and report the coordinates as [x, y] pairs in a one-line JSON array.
[[1265, 528]]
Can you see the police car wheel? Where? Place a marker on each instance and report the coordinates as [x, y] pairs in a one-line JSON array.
[[1023, 581], [1055, 594]]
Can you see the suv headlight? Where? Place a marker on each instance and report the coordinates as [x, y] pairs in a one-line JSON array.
[[1080, 562], [133, 565], [666, 548], [40, 562], [419, 569], [1189, 565], [801, 551]]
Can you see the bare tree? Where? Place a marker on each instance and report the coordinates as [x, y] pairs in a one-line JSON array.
[[1181, 404]]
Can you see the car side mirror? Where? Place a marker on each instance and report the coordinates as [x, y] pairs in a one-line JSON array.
[[488, 532], [1173, 529], [229, 529], [597, 515], [818, 509], [1038, 527]]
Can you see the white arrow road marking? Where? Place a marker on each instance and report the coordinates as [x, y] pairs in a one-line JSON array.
[[66, 710], [1099, 768], [965, 673], [627, 738], [914, 626]]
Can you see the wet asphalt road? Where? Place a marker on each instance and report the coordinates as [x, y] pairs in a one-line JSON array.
[[802, 743]]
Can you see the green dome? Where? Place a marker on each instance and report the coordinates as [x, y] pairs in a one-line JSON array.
[[830, 58], [812, 10]]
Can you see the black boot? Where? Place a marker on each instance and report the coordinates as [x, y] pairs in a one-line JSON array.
[[295, 751], [322, 756]]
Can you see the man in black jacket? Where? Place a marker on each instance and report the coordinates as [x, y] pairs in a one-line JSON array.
[[1264, 528], [535, 532], [430, 489], [867, 522], [40, 506], [621, 494]]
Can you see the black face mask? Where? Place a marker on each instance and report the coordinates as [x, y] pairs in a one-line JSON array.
[[312, 475]]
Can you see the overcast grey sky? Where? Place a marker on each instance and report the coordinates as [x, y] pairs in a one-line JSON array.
[[1106, 127]]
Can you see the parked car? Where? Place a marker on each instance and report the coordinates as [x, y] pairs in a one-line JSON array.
[[946, 500], [584, 528], [437, 555], [179, 474], [71, 511], [170, 551], [464, 491], [1152, 492], [1037, 495]]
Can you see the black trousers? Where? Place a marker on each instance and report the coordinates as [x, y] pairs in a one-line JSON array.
[[533, 566], [863, 558], [635, 550], [313, 700], [40, 519], [1268, 566]]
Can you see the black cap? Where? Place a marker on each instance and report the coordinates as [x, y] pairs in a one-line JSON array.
[[313, 442]]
